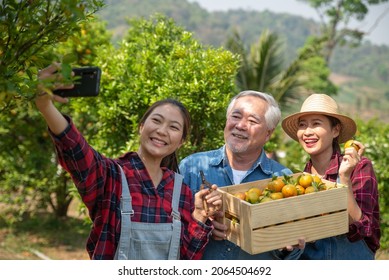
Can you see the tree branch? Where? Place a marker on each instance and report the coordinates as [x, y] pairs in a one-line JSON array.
[[376, 22]]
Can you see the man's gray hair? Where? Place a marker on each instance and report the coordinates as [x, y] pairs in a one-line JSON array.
[[273, 112]]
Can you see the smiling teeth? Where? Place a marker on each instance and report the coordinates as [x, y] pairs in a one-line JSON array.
[[159, 141]]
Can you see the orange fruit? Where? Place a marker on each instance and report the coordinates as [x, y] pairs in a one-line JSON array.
[[241, 195], [317, 179], [300, 189], [305, 180], [351, 144], [276, 185], [256, 190], [266, 192], [265, 199], [253, 196], [276, 195], [322, 187], [289, 190], [310, 189]]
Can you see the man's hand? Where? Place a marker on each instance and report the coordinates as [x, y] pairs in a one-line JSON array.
[[300, 245], [220, 230], [208, 202]]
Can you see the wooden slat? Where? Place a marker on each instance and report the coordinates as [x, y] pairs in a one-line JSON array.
[[280, 236], [294, 208]]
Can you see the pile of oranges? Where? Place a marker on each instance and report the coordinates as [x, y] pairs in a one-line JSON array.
[[283, 187]]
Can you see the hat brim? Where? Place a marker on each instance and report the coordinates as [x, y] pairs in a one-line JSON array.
[[347, 131]]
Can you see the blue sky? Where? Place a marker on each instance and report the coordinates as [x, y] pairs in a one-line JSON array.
[[379, 35]]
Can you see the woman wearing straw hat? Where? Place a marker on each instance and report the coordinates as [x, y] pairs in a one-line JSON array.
[[320, 128]]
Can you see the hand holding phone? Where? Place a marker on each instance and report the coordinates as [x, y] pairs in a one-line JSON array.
[[86, 83]]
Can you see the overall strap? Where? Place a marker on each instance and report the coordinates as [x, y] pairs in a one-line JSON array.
[[126, 213], [174, 251]]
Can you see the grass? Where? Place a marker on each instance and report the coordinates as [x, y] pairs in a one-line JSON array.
[[45, 237]]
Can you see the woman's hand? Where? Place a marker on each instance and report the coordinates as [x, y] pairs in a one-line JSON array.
[[361, 147], [207, 203], [44, 99], [50, 76], [351, 158]]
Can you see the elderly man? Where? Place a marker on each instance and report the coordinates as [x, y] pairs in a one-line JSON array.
[[251, 119]]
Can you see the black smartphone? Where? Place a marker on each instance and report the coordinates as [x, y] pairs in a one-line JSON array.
[[86, 83]]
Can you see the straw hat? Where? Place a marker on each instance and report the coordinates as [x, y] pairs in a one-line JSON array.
[[324, 105]]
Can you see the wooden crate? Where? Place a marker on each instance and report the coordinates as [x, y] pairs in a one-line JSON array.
[[275, 224]]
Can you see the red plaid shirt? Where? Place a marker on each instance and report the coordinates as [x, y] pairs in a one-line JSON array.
[[364, 184], [98, 181]]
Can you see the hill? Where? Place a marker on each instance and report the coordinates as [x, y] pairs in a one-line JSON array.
[[361, 73]]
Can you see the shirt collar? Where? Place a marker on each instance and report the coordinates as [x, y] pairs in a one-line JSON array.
[[263, 162], [333, 166]]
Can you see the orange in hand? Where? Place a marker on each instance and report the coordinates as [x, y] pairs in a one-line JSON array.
[[350, 143]]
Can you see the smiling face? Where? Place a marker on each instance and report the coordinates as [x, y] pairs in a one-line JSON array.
[[316, 134], [162, 132], [246, 130]]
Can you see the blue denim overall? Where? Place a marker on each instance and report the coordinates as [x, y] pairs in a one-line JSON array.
[[148, 241], [337, 248]]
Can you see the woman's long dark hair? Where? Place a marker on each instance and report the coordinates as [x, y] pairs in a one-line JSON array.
[[171, 160], [334, 122]]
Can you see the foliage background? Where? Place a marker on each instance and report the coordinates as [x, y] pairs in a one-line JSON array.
[[360, 73], [153, 59]]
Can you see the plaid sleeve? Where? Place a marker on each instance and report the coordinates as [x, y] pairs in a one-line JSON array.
[[95, 179], [195, 235], [365, 190], [86, 166]]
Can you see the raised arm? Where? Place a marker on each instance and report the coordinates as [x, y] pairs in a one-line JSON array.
[[44, 100]]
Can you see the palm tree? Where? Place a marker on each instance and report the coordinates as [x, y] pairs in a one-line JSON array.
[[262, 68]]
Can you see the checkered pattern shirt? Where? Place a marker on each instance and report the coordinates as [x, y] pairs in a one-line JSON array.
[[365, 189], [98, 181]]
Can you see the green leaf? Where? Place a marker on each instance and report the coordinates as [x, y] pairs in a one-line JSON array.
[[69, 58]]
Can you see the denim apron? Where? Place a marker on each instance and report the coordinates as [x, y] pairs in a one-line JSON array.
[[337, 248], [147, 241]]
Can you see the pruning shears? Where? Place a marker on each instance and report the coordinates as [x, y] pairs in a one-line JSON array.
[[205, 184]]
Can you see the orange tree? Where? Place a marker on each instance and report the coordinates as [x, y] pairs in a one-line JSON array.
[[158, 59], [263, 68], [27, 29], [29, 177]]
